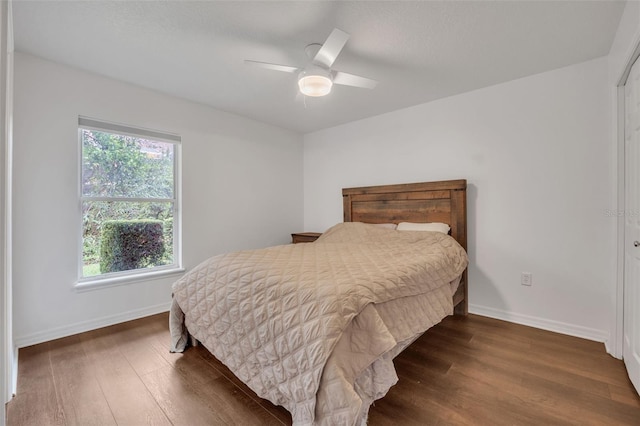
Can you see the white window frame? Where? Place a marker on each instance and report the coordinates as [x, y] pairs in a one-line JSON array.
[[135, 275]]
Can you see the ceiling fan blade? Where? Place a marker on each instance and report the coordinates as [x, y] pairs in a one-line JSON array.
[[347, 79], [274, 67], [331, 48]]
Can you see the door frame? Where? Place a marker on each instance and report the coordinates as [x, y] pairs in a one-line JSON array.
[[615, 342], [8, 354]]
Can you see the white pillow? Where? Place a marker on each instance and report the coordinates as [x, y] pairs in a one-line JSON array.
[[433, 226]]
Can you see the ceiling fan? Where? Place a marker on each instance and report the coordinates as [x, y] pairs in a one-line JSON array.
[[317, 77]]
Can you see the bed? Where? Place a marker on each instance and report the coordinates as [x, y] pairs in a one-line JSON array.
[[315, 327]]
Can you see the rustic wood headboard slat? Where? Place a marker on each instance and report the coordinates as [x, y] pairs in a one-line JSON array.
[[401, 211], [408, 187], [412, 195]]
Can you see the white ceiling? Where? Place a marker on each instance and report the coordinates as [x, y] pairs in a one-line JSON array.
[[419, 51]]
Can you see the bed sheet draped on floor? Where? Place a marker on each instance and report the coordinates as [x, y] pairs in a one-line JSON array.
[[314, 327]]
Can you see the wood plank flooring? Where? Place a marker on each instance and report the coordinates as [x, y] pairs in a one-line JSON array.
[[465, 371]]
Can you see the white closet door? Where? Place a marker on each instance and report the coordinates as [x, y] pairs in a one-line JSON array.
[[631, 331]]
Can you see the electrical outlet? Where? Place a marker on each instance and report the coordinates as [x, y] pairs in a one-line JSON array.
[[526, 278]]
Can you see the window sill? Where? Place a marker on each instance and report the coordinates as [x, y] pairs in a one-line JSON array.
[[89, 284]]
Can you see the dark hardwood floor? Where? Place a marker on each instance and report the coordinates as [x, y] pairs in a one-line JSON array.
[[464, 371]]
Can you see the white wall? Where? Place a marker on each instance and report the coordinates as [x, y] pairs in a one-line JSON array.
[[242, 188], [536, 153]]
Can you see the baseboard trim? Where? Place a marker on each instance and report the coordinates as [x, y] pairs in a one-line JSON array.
[[531, 321], [542, 323], [610, 348], [81, 327]]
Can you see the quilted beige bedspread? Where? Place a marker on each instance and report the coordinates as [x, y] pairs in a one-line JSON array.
[[314, 327]]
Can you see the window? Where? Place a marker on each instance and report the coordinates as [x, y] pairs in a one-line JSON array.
[[129, 200]]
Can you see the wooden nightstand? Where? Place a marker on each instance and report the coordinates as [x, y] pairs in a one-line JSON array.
[[305, 237]]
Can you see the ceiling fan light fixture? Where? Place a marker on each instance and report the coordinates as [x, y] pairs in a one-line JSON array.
[[314, 85]]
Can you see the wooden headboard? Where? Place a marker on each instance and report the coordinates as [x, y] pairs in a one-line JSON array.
[[442, 201]]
